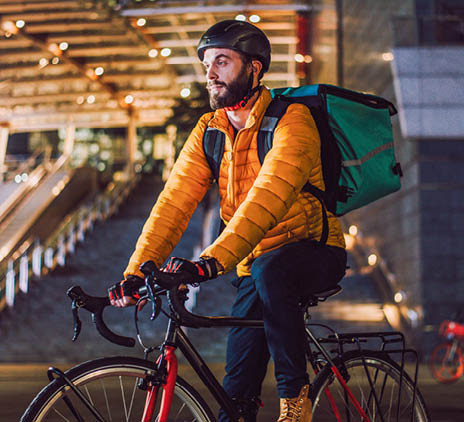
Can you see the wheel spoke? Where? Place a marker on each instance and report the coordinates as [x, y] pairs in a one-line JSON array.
[[112, 384], [61, 415], [374, 382], [123, 398], [107, 403]]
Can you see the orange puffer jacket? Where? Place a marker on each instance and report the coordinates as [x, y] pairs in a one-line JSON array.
[[263, 206]]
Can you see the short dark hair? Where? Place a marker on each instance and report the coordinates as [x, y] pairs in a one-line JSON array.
[[246, 60]]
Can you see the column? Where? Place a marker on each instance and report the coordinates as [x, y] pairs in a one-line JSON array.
[[4, 131]]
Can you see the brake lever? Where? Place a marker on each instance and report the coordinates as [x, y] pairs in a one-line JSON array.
[[77, 322], [155, 300]]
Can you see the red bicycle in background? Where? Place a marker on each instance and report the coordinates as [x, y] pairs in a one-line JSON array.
[[446, 359]]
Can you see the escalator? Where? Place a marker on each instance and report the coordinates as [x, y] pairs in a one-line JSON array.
[[34, 210]]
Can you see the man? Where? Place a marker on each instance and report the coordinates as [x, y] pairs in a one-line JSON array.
[[272, 227]]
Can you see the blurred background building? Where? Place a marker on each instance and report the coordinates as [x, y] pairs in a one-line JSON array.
[[97, 98]]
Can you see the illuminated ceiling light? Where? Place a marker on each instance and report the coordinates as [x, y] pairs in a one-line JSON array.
[[43, 62], [141, 21], [24, 177], [165, 52], [55, 49], [372, 259], [185, 92], [80, 100], [153, 53], [91, 99], [308, 58], [17, 178], [353, 230], [91, 74], [10, 27], [254, 18], [64, 45], [20, 23], [129, 99], [349, 241], [55, 60], [240, 17], [399, 296], [388, 57], [99, 71], [299, 58]]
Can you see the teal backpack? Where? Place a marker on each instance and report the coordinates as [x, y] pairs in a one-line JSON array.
[[357, 151]]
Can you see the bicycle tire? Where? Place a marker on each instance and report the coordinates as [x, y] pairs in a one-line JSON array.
[[385, 374], [443, 369], [111, 385]]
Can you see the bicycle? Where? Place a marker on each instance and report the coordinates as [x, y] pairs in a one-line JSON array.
[[446, 360], [359, 384]]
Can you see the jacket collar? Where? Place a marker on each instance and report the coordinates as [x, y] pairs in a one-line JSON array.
[[221, 122]]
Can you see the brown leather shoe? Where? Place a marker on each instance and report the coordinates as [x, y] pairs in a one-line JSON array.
[[297, 409]]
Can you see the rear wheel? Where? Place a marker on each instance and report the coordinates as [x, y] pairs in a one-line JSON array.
[[111, 385], [331, 402], [447, 362]]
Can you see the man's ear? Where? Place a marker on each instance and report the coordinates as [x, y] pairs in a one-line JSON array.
[[256, 66]]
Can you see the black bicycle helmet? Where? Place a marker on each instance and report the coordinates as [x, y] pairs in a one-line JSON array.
[[240, 36]]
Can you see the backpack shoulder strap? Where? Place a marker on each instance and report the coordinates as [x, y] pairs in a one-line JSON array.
[[213, 147], [274, 113]]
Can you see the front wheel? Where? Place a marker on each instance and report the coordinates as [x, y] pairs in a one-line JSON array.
[[111, 385], [380, 397], [447, 362]]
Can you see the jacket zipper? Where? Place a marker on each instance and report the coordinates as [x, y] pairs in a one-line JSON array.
[[231, 181]]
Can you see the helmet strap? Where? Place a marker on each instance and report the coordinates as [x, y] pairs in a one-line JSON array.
[[250, 92]]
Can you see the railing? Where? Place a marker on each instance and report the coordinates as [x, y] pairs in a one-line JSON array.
[[33, 259], [20, 167], [432, 30]]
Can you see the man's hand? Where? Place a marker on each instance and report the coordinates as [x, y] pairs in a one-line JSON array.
[[125, 293], [203, 269]]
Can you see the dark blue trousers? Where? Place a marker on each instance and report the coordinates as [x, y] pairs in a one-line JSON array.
[[279, 281]]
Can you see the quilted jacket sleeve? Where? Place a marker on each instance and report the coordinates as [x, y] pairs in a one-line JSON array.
[[187, 184], [286, 168]]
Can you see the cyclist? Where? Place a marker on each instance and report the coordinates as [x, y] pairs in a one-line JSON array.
[[272, 228]]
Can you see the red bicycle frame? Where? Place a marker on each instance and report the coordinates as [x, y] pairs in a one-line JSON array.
[[168, 358]]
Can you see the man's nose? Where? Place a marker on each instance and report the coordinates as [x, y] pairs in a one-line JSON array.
[[210, 74]]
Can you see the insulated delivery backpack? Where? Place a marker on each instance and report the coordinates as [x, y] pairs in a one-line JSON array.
[[357, 152]]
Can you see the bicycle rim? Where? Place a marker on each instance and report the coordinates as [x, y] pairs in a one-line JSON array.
[[446, 363], [111, 385], [329, 397]]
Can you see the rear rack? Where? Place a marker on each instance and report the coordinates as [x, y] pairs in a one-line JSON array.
[[391, 343]]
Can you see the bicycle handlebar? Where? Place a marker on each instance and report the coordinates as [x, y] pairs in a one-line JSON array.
[[169, 282], [95, 305]]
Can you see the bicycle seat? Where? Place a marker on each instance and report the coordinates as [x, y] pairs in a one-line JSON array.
[[317, 297]]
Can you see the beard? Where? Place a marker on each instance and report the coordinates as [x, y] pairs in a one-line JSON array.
[[234, 91]]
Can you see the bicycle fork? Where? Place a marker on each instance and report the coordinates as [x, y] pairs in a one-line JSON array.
[[166, 364]]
